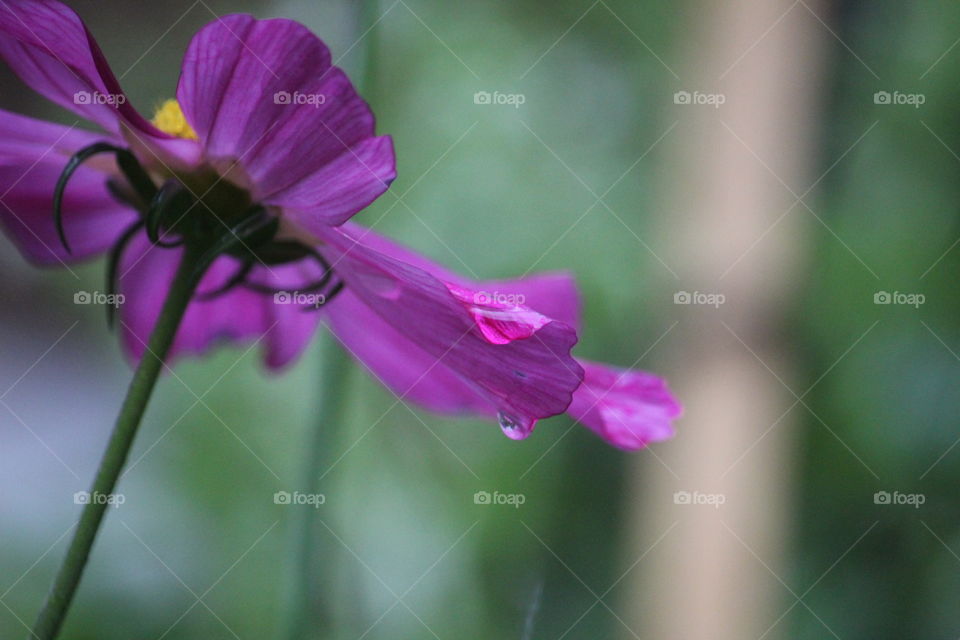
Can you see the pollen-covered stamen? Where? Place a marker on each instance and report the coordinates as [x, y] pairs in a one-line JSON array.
[[169, 118]]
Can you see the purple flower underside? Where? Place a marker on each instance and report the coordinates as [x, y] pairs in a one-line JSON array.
[[428, 334]]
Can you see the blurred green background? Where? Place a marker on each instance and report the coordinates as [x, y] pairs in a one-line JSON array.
[[200, 550]]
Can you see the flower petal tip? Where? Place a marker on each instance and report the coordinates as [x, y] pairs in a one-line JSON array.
[[627, 408]]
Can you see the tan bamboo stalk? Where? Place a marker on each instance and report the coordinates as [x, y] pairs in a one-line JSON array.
[[715, 574]]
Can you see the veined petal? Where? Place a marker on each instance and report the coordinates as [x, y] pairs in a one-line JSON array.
[[261, 94], [25, 139], [344, 186], [552, 293], [520, 365], [145, 275], [48, 46], [294, 324], [398, 363], [627, 408], [239, 316], [33, 154], [408, 370]]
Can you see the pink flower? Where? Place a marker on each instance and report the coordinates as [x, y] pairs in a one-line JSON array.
[[380, 324], [265, 136]]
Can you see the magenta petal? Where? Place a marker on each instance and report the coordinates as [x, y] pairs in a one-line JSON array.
[[49, 47], [627, 408], [32, 156], [552, 294], [262, 94], [346, 185], [398, 363], [409, 371], [498, 322], [27, 139], [238, 316], [145, 275], [524, 378], [294, 321]]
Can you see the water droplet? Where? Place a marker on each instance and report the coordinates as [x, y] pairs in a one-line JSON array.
[[514, 428], [380, 282]]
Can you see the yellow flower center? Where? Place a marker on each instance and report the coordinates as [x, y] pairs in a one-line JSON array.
[[169, 118]]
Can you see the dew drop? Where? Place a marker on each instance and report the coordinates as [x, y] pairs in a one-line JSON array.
[[513, 428], [381, 283]]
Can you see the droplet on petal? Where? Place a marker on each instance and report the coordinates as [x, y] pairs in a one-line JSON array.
[[500, 322], [514, 428], [381, 283]]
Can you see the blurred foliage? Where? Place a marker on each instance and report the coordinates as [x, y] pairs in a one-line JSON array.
[[892, 401]]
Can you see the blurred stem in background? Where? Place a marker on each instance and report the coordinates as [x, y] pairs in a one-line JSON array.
[[193, 265], [368, 15], [311, 609]]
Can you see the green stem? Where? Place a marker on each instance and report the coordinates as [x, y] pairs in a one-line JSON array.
[[310, 611], [54, 610]]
